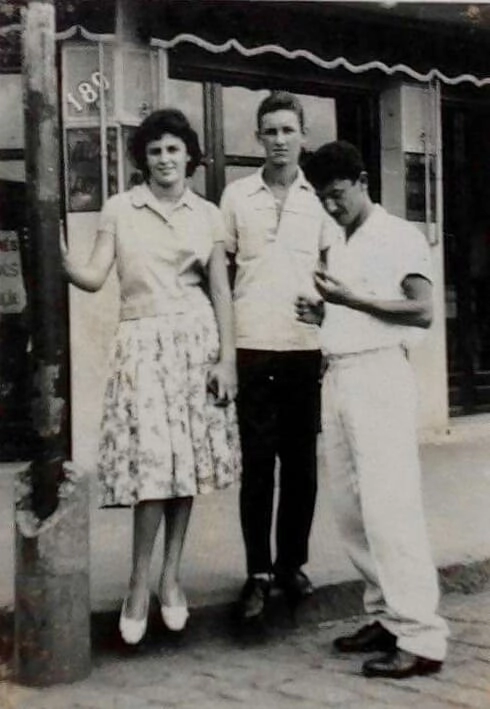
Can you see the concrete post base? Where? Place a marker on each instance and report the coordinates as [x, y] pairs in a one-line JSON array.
[[52, 585]]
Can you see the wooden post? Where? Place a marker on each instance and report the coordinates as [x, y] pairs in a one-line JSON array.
[[52, 612]]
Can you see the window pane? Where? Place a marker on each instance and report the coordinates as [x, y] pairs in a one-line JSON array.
[[234, 172], [239, 109], [320, 120], [198, 181], [12, 170], [187, 95], [82, 81], [137, 83]]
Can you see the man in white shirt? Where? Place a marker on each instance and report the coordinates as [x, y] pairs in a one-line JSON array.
[[378, 290], [277, 233]]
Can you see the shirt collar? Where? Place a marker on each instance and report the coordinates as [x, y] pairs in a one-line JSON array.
[[377, 214], [257, 182], [141, 196], [371, 225]]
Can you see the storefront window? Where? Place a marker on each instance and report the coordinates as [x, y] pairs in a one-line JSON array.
[[243, 152], [198, 181], [83, 80], [240, 109], [187, 96], [320, 120], [137, 94], [235, 172], [84, 168], [100, 100]]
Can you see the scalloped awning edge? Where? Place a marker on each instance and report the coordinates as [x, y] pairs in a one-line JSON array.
[[234, 44]]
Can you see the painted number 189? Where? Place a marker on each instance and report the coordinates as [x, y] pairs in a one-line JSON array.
[[87, 92]]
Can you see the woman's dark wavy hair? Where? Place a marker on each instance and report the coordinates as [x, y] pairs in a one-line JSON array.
[[165, 120]]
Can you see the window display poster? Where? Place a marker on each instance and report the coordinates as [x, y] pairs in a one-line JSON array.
[[12, 291], [84, 173], [84, 182], [415, 184]]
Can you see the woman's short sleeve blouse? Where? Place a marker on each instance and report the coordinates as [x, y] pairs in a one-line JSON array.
[[161, 250]]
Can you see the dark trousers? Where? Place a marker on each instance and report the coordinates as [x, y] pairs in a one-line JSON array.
[[279, 413]]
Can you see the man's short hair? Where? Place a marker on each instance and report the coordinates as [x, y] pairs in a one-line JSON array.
[[281, 101], [338, 160]]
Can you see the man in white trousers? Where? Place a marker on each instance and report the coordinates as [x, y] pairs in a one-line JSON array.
[[378, 290]]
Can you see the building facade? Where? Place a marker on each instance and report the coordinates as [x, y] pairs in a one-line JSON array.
[[408, 83]]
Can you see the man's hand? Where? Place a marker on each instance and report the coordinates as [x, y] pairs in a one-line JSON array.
[[308, 310], [333, 290]]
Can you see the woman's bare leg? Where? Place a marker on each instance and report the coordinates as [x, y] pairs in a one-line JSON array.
[[177, 514], [146, 523]]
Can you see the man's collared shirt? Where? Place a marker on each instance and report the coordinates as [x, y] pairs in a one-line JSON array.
[[374, 262], [161, 250], [276, 252]]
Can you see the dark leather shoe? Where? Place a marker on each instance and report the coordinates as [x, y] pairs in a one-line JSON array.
[[370, 638], [253, 598], [295, 584], [400, 665]]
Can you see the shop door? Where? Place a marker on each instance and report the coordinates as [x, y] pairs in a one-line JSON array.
[[466, 164]]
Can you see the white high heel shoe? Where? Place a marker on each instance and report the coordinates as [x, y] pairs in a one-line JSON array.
[[132, 630], [175, 617]]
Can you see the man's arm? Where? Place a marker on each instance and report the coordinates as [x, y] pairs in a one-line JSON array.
[[232, 268], [415, 310], [228, 213]]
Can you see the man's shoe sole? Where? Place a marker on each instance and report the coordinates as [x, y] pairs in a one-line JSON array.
[[418, 669]]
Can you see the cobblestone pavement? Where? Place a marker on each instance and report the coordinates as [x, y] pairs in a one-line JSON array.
[[289, 666]]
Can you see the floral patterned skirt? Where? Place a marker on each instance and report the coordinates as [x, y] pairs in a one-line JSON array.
[[162, 436]]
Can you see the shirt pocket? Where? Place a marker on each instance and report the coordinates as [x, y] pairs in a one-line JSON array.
[[256, 230]]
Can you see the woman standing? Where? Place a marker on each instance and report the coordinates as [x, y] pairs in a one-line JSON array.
[[168, 428]]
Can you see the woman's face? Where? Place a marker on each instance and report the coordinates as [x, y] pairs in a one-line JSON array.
[[167, 160]]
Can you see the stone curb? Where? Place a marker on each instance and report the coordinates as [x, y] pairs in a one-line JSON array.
[[330, 603]]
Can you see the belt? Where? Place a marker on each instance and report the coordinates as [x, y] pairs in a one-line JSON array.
[[331, 358]]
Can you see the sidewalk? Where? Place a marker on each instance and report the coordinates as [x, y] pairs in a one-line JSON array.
[[291, 667], [457, 497]]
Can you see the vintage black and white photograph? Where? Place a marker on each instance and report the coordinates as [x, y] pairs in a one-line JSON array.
[[244, 354]]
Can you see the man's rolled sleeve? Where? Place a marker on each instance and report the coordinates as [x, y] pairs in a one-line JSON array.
[[416, 257]]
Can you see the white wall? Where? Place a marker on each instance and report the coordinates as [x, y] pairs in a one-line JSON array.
[[93, 320], [406, 115]]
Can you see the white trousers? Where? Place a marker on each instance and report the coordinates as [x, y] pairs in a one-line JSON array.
[[369, 411]]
